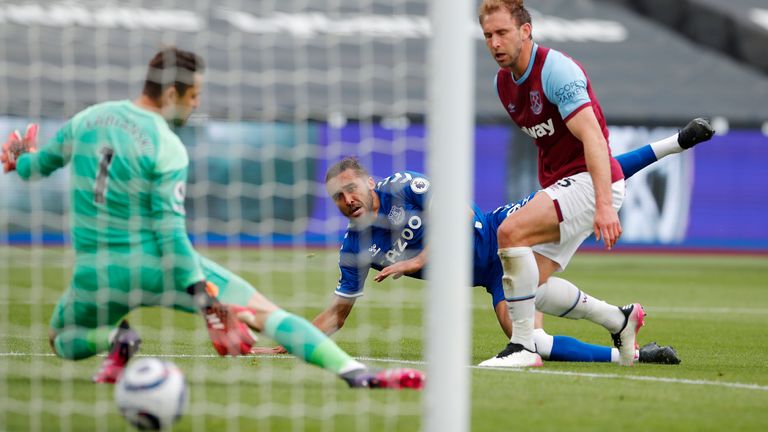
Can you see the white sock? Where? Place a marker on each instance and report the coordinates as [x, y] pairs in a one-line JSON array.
[[561, 298], [521, 275], [615, 355], [544, 343], [666, 147]]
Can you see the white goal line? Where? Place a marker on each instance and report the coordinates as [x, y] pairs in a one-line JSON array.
[[725, 384]]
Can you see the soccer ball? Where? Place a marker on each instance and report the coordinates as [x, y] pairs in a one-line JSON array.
[[151, 394]]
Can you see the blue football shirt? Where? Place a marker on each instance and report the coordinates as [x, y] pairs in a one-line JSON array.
[[398, 233]]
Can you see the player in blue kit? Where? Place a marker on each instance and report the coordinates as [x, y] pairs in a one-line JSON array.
[[386, 233]]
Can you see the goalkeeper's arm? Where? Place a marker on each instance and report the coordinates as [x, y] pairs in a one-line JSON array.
[[169, 185], [21, 153], [17, 146], [228, 333], [179, 258]]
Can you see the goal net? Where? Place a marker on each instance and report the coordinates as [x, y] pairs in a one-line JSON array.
[[290, 88]]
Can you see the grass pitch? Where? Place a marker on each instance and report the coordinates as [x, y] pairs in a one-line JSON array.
[[713, 309]]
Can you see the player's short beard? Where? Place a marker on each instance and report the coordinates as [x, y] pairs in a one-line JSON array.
[[514, 57], [367, 204], [511, 63]]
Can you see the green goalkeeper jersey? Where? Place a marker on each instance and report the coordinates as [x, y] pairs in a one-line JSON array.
[[128, 173]]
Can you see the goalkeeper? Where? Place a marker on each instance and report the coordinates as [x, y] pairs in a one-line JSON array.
[[128, 173]]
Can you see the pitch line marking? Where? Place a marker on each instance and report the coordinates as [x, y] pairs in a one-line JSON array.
[[593, 375], [726, 384]]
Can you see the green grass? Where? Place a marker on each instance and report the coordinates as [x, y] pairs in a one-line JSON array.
[[713, 309]]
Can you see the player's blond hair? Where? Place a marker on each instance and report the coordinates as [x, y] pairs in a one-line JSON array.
[[516, 8]]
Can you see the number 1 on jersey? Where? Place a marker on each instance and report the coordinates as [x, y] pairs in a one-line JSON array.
[[100, 187]]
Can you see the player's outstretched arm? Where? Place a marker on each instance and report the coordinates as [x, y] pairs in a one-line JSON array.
[[17, 146], [333, 318], [404, 267], [30, 162], [328, 321]]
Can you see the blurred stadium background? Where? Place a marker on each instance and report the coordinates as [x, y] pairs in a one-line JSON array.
[[296, 84], [292, 86]]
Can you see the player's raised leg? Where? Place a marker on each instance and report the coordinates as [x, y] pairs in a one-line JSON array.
[[695, 132]]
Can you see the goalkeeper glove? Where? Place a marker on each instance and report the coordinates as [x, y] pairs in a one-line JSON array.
[[229, 335], [16, 145]]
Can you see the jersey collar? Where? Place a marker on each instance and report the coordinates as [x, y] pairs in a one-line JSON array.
[[530, 66]]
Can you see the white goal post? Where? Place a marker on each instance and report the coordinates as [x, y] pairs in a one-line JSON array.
[[450, 125]]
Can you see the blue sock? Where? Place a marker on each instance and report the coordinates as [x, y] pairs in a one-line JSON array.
[[634, 161], [565, 348]]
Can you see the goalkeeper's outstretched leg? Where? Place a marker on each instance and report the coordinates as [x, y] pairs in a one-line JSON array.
[[305, 341], [298, 336]]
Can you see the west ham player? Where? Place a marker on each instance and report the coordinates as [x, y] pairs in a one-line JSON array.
[[386, 232], [549, 97], [129, 172]]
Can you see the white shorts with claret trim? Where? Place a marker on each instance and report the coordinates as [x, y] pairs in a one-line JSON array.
[[574, 198]]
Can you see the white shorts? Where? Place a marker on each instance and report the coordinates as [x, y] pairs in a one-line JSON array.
[[574, 196]]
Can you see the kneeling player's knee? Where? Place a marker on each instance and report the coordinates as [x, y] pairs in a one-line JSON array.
[[509, 233], [71, 344]]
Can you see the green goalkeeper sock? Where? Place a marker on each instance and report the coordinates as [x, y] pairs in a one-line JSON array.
[[78, 343], [307, 342]]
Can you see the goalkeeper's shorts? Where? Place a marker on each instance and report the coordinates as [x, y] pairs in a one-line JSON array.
[[102, 298]]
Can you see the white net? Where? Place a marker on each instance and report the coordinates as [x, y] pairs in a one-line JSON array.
[[291, 87]]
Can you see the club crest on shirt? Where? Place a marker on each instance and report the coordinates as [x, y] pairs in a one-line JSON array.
[[537, 105], [396, 215], [420, 185]]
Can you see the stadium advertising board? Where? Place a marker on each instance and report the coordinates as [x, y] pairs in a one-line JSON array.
[[273, 175]]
